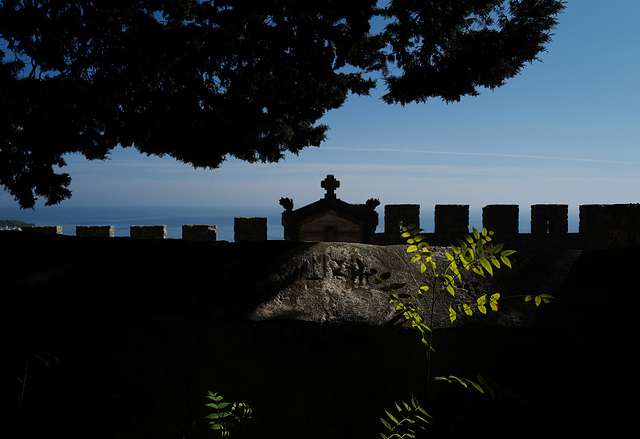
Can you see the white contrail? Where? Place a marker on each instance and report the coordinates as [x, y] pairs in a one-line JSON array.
[[484, 154]]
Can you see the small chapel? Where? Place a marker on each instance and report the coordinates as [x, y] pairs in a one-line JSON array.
[[330, 219]]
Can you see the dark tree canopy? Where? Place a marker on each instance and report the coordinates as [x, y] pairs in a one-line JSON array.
[[203, 80]]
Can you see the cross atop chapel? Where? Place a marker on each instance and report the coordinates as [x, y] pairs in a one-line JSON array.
[[330, 184]]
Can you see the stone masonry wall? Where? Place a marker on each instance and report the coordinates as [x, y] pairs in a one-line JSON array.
[[250, 229], [503, 219], [394, 214], [601, 226], [552, 219], [451, 219]]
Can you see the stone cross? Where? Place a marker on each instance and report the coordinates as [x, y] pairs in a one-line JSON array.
[[330, 184]]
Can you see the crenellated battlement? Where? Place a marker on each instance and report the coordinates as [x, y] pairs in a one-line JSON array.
[[600, 226]]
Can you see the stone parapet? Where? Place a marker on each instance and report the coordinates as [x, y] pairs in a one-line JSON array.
[[620, 226], [199, 232], [44, 230], [148, 232], [250, 229], [95, 231], [503, 219], [394, 214], [451, 219], [552, 219], [590, 219], [600, 226]]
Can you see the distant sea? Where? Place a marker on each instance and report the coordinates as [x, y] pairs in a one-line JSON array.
[[175, 217]]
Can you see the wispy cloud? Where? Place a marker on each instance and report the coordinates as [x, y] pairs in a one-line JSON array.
[[484, 154]]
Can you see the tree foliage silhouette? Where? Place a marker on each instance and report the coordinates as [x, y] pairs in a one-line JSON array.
[[203, 80]]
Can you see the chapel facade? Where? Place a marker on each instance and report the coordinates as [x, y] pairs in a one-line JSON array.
[[330, 219]]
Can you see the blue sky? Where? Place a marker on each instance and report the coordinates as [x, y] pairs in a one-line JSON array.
[[566, 130]]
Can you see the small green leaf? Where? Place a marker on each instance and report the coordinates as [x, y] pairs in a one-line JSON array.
[[482, 300], [486, 265], [391, 417], [412, 248], [455, 378], [497, 248], [476, 386], [452, 314], [467, 309], [493, 301], [451, 290], [477, 270]]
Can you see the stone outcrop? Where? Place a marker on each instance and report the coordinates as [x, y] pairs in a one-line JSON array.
[[316, 283], [273, 280]]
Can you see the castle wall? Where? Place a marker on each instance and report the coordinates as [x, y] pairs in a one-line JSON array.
[[503, 219], [148, 232], [601, 226], [451, 219], [552, 219], [199, 232], [250, 229], [95, 231], [396, 214]]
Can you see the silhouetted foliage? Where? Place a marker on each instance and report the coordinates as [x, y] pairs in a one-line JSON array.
[[202, 80]]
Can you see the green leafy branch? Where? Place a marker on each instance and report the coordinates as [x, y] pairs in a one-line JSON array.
[[474, 253], [225, 414], [480, 386], [406, 421]]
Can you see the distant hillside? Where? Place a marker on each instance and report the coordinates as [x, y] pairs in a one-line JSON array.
[[14, 223]]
